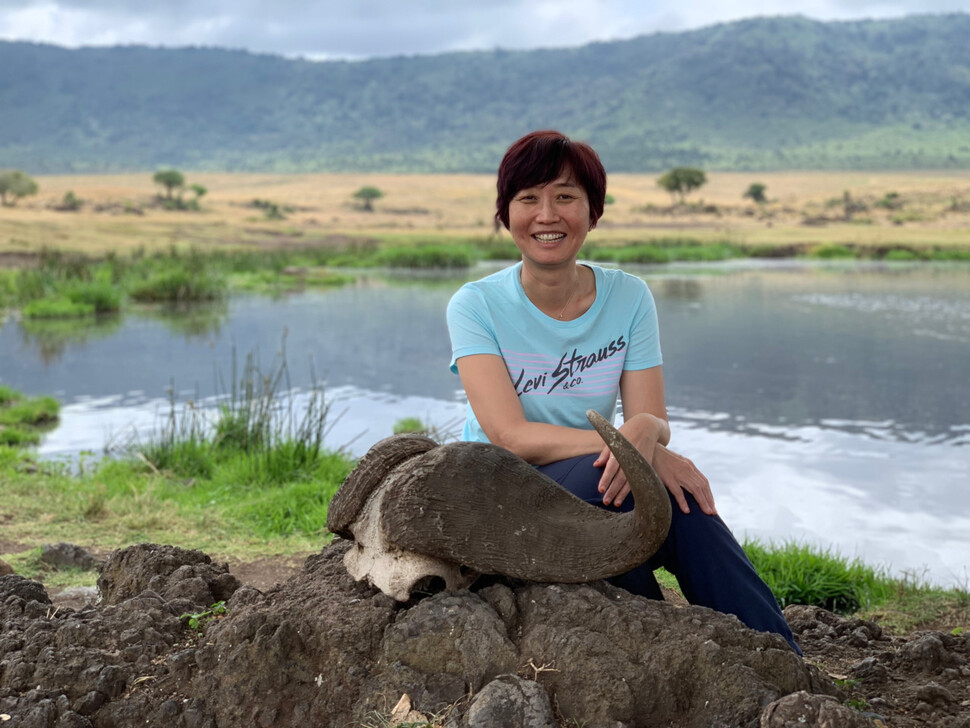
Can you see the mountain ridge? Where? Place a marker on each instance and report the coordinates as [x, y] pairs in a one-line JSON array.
[[762, 93]]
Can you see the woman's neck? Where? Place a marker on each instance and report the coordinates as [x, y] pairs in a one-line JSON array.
[[561, 293]]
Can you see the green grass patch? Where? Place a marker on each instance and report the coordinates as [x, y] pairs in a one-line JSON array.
[[664, 251], [179, 285], [830, 251], [101, 295], [800, 574], [256, 455], [426, 256], [23, 419], [8, 395], [29, 565], [58, 307], [14, 436]]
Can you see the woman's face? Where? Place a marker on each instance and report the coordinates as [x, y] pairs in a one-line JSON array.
[[549, 222]]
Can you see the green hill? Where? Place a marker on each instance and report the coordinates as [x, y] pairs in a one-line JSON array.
[[764, 93]]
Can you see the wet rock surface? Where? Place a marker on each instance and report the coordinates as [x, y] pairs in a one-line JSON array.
[[324, 650]]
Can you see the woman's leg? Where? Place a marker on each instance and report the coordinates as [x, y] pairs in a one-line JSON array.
[[711, 567]]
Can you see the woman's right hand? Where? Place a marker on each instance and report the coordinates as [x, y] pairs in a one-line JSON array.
[[643, 431]]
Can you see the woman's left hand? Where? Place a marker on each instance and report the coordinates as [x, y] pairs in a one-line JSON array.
[[679, 474]]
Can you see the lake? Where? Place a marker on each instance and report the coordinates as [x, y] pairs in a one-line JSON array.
[[826, 402]]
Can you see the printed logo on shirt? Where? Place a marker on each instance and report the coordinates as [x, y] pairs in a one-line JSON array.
[[573, 371]]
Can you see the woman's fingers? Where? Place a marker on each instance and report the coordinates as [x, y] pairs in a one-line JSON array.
[[613, 484], [678, 493], [679, 474]]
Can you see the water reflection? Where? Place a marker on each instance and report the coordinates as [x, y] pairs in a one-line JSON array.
[[52, 337]]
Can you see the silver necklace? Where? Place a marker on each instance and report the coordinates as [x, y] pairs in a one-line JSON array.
[[571, 293]]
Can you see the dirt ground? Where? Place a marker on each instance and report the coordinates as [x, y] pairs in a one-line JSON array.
[[917, 679]]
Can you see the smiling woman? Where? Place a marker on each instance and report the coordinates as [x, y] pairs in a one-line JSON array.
[[540, 343]]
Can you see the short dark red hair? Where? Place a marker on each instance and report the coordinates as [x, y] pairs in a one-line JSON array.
[[540, 157]]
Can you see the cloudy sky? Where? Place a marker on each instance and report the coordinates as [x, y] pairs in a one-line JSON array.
[[368, 28]]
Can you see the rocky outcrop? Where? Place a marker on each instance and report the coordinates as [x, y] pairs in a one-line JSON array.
[[324, 650]]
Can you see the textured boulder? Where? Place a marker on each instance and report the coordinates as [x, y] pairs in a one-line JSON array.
[[802, 710], [68, 556], [171, 572], [511, 700]]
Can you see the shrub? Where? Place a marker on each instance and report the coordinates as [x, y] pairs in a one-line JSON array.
[[179, 284], [17, 437], [102, 295], [832, 250], [426, 256]]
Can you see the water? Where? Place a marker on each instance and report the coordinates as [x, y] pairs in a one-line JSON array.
[[829, 403]]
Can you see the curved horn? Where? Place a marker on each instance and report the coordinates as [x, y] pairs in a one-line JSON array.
[[481, 506], [379, 461]]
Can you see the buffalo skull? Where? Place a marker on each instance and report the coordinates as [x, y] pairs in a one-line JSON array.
[[417, 511]]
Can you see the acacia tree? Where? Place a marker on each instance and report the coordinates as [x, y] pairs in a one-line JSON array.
[[367, 195], [681, 181], [756, 192], [17, 184], [170, 179]]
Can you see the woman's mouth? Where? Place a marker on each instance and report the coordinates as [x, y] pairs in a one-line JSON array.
[[549, 237]]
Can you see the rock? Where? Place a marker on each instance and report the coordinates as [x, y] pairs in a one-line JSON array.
[[817, 624], [935, 695], [68, 556], [169, 571], [77, 595], [870, 670], [20, 596], [5, 568], [926, 653], [508, 700], [803, 710]]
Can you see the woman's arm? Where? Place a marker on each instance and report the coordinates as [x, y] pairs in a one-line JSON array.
[[492, 397]]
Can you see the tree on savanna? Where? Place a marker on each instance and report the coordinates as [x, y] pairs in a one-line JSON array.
[[681, 181], [756, 192], [367, 195], [17, 184], [170, 179], [199, 190]]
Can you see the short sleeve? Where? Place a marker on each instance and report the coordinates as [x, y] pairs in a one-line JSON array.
[[644, 351], [470, 326]]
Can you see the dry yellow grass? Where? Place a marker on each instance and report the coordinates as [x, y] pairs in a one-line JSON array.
[[462, 205]]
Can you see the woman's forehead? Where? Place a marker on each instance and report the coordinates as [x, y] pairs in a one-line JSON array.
[[565, 178]]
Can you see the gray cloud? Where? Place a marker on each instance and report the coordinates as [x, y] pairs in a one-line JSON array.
[[353, 29]]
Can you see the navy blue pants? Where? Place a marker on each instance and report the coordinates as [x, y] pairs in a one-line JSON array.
[[711, 567]]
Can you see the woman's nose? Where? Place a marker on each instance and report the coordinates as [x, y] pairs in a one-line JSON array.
[[547, 210]]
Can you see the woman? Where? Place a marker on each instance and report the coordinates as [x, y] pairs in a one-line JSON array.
[[539, 343]]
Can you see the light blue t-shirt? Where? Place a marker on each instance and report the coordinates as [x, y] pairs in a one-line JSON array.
[[559, 369]]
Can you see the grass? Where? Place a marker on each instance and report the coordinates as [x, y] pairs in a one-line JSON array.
[[23, 419], [801, 574]]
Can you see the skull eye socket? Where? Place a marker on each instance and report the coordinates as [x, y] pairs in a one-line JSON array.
[[428, 585]]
